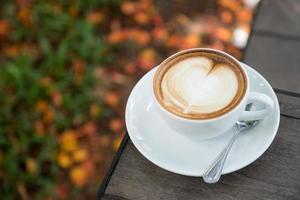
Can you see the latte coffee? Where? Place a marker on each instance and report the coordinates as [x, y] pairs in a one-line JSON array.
[[199, 84]]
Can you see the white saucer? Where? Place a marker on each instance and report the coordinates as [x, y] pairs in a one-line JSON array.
[[178, 154]]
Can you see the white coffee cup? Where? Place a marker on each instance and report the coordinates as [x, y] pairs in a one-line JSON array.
[[209, 128]]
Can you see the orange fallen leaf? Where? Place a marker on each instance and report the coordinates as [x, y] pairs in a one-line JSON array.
[[39, 128], [230, 4], [68, 141], [223, 34], [130, 68], [116, 125], [48, 116], [160, 34], [24, 15], [41, 106], [80, 155], [174, 41], [64, 160], [89, 128], [112, 99], [116, 37], [142, 18], [128, 7], [95, 17], [73, 11], [244, 16], [147, 58], [141, 37], [5, 28], [31, 166], [226, 17], [190, 41], [78, 176], [12, 51]]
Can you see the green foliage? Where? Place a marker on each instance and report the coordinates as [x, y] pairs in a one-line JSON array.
[[59, 39]]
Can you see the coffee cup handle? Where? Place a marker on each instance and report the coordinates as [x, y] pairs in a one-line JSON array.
[[258, 114]]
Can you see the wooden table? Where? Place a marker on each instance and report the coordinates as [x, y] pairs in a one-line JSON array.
[[273, 50]]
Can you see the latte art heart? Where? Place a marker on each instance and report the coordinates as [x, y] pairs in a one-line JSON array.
[[197, 85]]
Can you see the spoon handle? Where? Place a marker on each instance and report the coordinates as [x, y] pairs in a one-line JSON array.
[[214, 172]]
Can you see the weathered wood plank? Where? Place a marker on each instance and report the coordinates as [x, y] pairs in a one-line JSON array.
[[289, 105], [277, 59], [280, 17], [275, 175]]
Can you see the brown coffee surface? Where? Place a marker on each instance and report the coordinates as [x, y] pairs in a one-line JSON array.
[[199, 84]]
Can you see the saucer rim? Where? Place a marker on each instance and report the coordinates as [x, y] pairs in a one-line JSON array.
[[185, 172]]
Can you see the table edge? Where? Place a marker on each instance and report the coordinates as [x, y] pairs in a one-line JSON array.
[[112, 167]]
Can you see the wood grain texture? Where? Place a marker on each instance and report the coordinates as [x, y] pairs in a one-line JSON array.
[[289, 105], [277, 59], [278, 16], [275, 175]]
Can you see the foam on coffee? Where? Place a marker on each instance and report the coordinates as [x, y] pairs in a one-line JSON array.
[[200, 86]]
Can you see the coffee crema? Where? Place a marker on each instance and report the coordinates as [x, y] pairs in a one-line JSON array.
[[199, 85]]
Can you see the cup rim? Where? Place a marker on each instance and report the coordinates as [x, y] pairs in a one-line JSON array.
[[208, 119]]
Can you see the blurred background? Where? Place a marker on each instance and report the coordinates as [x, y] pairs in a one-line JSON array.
[[66, 70]]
